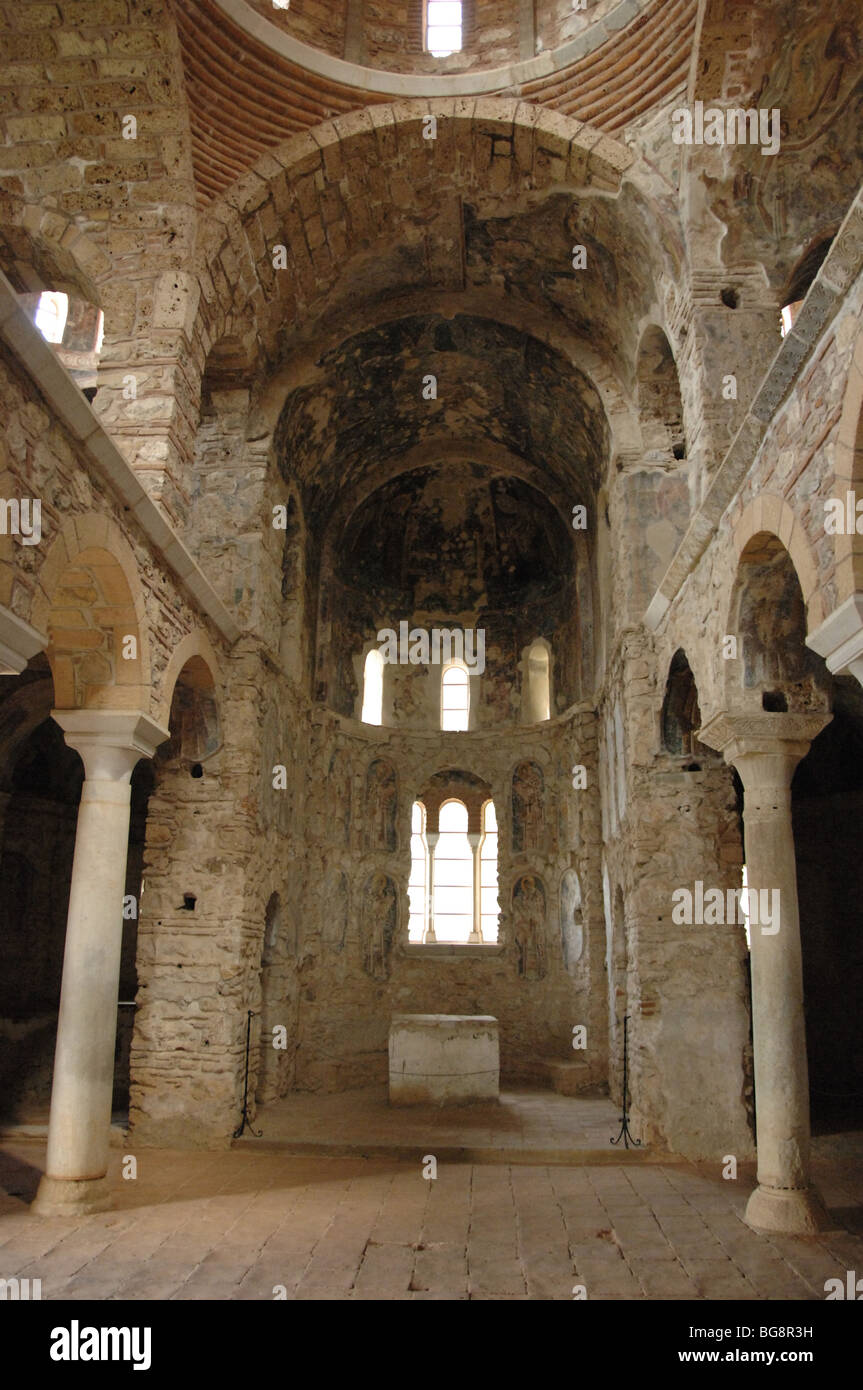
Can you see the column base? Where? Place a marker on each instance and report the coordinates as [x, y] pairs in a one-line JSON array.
[[794, 1211], [71, 1196]]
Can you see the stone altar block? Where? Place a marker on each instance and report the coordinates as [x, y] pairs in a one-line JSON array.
[[443, 1059]]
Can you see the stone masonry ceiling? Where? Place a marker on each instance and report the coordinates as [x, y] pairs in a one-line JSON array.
[[349, 430]]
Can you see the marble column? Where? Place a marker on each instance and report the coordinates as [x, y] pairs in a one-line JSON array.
[[432, 837], [766, 748], [110, 743], [474, 839]]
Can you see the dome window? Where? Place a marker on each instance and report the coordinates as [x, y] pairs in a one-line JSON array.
[[443, 27]]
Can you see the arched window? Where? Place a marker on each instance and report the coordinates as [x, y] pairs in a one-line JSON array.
[[453, 875], [798, 286], [489, 911], [680, 712], [418, 881], [537, 674], [51, 315], [455, 697], [373, 687], [443, 27]]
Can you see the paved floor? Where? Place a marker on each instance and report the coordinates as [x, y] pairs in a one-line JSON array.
[[523, 1125], [238, 1224]]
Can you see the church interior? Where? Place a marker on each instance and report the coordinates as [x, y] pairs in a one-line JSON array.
[[431, 637]]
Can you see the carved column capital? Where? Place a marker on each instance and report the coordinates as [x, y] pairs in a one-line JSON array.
[[765, 747]]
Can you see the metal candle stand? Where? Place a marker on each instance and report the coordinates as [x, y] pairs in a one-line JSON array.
[[245, 1120], [624, 1119]]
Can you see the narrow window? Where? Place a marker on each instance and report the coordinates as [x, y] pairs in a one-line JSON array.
[[489, 911], [455, 698], [443, 27], [538, 684], [51, 315], [417, 883], [373, 688], [453, 875]]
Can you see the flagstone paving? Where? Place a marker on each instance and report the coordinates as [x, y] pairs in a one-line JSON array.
[[240, 1224]]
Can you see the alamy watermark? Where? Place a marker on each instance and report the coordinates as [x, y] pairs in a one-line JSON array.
[[717, 907], [734, 125], [21, 518], [420, 646]]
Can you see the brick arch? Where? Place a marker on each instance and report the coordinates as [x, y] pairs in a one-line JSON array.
[[848, 477], [89, 600], [294, 186]]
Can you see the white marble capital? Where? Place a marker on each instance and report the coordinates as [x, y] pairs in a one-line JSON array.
[[19, 642], [839, 639], [110, 742]]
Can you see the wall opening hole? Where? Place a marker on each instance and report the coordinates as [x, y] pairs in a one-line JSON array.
[[775, 701]]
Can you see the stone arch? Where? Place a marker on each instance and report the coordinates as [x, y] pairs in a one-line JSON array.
[[90, 602], [196, 732], [848, 477], [553, 149], [660, 403], [195, 647], [50, 245], [772, 514], [681, 714], [772, 669], [301, 367]]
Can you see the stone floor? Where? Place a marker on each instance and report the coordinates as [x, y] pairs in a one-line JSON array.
[[237, 1224], [526, 1125]]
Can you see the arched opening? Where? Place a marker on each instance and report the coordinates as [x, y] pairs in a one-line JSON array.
[[659, 400], [74, 327], [455, 698], [536, 698], [681, 715], [489, 902], [453, 876], [799, 282], [442, 29], [373, 687], [182, 917], [40, 788], [826, 800], [95, 642], [418, 881]]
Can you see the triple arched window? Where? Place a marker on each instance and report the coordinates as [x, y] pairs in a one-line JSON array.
[[453, 883]]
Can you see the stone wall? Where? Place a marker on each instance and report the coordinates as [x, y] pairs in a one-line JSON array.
[[344, 1010]]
